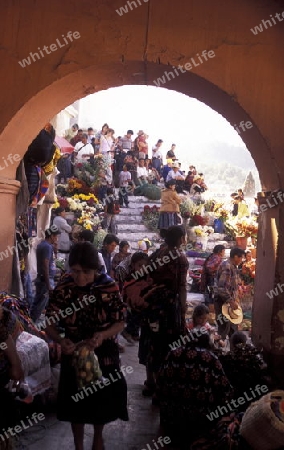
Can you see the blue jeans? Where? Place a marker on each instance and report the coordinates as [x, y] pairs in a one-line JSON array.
[[28, 289], [157, 163], [41, 298], [123, 196]]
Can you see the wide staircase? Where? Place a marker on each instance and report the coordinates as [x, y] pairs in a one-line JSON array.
[[130, 226]]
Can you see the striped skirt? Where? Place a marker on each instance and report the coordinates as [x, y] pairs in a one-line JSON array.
[[168, 219]]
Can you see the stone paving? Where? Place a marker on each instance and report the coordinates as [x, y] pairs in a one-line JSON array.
[[143, 425], [140, 430]]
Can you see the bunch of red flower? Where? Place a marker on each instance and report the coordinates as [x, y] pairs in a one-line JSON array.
[[63, 202], [148, 209], [198, 220]]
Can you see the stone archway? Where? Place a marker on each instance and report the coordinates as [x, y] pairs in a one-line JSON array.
[[137, 48]]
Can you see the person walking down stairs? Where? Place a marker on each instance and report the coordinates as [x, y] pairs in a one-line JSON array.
[[124, 179]]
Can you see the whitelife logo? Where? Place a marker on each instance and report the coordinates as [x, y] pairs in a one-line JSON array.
[[124, 9], [101, 384], [275, 292], [33, 57], [69, 311], [259, 28], [183, 69], [161, 261], [12, 431], [234, 404], [10, 160]]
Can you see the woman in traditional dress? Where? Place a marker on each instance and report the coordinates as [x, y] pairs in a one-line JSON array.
[[94, 323], [166, 299], [191, 386], [10, 369], [169, 209]]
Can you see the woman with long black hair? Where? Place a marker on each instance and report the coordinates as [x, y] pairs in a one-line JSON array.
[[95, 317]]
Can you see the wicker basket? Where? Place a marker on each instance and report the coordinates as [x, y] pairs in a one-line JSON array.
[[260, 427]]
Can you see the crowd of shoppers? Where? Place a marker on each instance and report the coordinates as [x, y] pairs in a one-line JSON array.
[[140, 296]]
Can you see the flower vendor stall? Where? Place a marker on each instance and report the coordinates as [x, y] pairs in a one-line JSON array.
[[84, 210], [242, 230], [202, 233]]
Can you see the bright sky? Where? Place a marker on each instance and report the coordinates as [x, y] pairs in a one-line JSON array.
[[160, 113]]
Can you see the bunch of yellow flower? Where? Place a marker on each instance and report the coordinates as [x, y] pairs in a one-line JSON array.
[[85, 198], [86, 220], [74, 184], [56, 204]]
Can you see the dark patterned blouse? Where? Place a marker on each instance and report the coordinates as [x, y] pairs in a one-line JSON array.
[[82, 311], [169, 268], [191, 384]]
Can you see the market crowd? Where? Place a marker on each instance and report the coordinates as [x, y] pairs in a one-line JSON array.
[[188, 373]]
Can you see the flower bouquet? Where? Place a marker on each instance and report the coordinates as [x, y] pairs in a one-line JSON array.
[[209, 205], [243, 228], [90, 199], [62, 202], [78, 186], [202, 231], [222, 214], [198, 220], [249, 227], [150, 217], [186, 208], [99, 237], [89, 221]]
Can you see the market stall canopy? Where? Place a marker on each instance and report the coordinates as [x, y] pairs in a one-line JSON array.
[[63, 144]]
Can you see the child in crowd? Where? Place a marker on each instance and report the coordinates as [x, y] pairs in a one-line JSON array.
[[124, 179], [199, 320], [111, 208], [120, 256]]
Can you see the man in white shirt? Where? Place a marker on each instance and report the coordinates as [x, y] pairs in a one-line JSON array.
[[83, 150], [157, 156], [175, 174], [91, 135], [142, 172]]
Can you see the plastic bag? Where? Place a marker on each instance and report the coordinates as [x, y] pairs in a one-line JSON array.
[[86, 365], [21, 391]]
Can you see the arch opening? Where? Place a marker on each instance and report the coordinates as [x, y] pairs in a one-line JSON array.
[[49, 101]]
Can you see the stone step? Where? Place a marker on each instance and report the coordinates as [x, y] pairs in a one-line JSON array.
[[130, 211], [135, 237], [144, 200], [142, 205], [128, 218], [132, 227], [134, 247]]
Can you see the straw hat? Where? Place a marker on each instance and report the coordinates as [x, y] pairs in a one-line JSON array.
[[234, 315], [175, 165], [196, 177]]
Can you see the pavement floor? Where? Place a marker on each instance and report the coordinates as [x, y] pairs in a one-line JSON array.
[[141, 429], [139, 433]]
